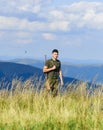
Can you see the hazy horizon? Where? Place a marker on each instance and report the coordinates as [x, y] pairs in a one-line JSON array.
[[63, 60]]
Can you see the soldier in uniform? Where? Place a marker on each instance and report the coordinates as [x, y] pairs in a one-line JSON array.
[[52, 69]]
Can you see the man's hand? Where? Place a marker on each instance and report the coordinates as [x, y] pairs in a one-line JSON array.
[[54, 67], [46, 69]]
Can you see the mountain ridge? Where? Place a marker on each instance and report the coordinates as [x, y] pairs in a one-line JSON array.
[[10, 71], [79, 71]]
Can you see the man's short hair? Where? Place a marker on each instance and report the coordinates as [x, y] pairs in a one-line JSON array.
[[55, 50]]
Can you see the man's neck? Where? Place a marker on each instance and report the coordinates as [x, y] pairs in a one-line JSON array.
[[54, 59]]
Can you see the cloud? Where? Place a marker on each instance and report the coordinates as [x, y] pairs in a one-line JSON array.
[[13, 23], [57, 14], [30, 8], [59, 25], [9, 22], [85, 15], [78, 7], [75, 16], [16, 37], [78, 15], [49, 36], [91, 19], [17, 6], [67, 25]]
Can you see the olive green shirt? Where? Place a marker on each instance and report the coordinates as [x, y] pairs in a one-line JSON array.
[[53, 74]]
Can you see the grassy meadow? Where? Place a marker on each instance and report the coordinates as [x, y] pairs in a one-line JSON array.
[[32, 110]]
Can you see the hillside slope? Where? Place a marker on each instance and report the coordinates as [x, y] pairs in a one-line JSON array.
[[13, 70], [90, 73], [10, 71]]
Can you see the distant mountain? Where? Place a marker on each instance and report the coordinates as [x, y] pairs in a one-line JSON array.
[[89, 72], [26, 61], [64, 60], [10, 71], [82, 62]]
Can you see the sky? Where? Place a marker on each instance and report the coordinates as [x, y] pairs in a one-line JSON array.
[[33, 28]]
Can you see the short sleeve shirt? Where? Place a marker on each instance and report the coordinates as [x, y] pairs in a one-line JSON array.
[[53, 74]]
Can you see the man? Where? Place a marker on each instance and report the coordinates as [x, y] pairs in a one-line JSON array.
[[53, 71]]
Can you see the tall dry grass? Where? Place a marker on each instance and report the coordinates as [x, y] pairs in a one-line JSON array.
[[28, 109]]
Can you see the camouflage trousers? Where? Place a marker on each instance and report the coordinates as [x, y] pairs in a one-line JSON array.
[[51, 86]]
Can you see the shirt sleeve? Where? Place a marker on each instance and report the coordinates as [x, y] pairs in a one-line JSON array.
[[47, 63]]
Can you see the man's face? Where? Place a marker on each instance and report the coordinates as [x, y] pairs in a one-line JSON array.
[[55, 55]]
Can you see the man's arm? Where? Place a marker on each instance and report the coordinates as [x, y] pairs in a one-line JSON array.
[[61, 77], [46, 69]]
